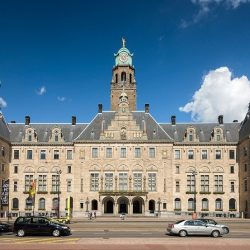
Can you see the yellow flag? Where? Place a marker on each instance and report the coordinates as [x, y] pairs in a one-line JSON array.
[[32, 190]]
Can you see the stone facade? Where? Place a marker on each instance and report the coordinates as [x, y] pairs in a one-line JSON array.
[[123, 161]]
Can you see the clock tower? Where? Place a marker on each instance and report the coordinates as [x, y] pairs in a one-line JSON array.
[[123, 78]]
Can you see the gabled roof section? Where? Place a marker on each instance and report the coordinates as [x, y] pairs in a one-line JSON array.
[[203, 131], [4, 129], [43, 131], [144, 120]]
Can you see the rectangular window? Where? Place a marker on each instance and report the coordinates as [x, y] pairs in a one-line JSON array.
[[205, 183], [177, 186], [190, 183], [56, 154], [164, 205], [15, 169], [151, 181], [3, 167], [137, 181], [204, 154], [94, 182], [108, 181], [108, 152], [123, 152], [81, 205], [43, 154], [218, 183], [177, 169], [123, 181], [245, 185], [16, 154], [42, 183], [69, 186], [94, 152], [217, 154], [15, 188], [151, 152], [69, 169], [190, 154], [28, 179], [231, 154], [137, 152], [245, 167], [29, 154], [232, 169], [55, 183], [232, 187], [69, 154], [177, 154]]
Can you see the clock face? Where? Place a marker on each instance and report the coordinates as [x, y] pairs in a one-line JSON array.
[[123, 57]]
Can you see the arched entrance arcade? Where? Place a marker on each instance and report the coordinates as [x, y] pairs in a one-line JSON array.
[[108, 205], [123, 205], [138, 205]]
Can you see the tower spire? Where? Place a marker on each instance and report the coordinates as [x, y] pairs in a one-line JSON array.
[[123, 42]]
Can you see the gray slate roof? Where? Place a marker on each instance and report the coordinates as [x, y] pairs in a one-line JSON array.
[[203, 131], [245, 127], [43, 131], [92, 131], [4, 131]]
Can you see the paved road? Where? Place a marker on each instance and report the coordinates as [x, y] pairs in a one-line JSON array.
[[130, 234]]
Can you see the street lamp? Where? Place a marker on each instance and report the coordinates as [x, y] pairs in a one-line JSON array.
[[58, 192], [194, 173], [87, 204]]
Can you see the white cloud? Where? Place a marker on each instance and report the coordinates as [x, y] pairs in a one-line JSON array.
[[41, 91], [3, 103], [206, 6], [61, 98], [220, 94]]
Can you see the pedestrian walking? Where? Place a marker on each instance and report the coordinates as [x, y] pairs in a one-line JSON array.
[[95, 214]]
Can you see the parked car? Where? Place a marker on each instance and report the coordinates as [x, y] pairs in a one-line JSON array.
[[5, 227], [37, 225], [213, 222], [194, 227]]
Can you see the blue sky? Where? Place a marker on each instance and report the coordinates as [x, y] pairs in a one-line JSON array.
[[191, 57]]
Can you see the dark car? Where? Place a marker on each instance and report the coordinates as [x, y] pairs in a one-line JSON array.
[[213, 222], [37, 225], [5, 227]]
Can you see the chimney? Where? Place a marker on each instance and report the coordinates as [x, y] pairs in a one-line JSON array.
[[235, 120], [73, 120], [27, 120], [99, 108], [12, 121], [146, 108], [173, 119], [220, 119]]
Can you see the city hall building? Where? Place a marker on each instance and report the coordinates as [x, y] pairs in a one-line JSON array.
[[123, 161]]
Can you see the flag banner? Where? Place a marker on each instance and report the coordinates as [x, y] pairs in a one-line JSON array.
[[32, 190], [5, 193]]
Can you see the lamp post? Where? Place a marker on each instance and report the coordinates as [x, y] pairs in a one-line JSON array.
[[58, 192], [194, 173], [87, 204]]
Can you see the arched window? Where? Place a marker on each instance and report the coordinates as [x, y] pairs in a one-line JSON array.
[[218, 204], [123, 76], [15, 203], [177, 203], [151, 206], [204, 203], [55, 203], [232, 204], [190, 204], [130, 78], [116, 78], [41, 204], [94, 205]]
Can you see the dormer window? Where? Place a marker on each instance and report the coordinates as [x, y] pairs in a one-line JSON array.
[[56, 135], [30, 135], [190, 135]]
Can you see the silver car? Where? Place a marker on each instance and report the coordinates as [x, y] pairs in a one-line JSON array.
[[194, 227], [213, 222]]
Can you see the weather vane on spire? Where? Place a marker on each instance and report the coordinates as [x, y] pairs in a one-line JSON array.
[[123, 42]]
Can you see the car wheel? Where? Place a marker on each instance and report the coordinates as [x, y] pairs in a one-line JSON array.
[[56, 233], [183, 233], [226, 230], [215, 233], [20, 233]]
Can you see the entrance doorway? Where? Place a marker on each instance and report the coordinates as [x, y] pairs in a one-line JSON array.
[[123, 205], [108, 203], [137, 205]]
